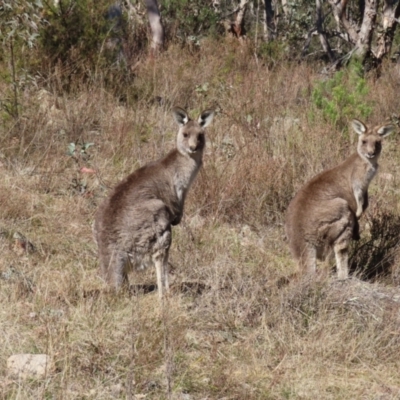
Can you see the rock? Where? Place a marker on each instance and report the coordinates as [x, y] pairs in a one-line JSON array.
[[116, 390], [22, 244], [29, 365], [387, 177]]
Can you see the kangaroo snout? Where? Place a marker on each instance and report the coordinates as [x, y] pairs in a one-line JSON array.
[[371, 154], [193, 147]]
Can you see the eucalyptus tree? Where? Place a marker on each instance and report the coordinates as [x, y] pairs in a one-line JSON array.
[[345, 28], [156, 26], [19, 25]]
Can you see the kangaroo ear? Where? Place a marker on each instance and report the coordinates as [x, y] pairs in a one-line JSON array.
[[206, 117], [358, 126], [386, 130], [180, 116]]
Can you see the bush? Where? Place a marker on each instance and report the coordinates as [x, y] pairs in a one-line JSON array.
[[75, 27], [86, 39], [19, 23], [343, 97], [189, 19]]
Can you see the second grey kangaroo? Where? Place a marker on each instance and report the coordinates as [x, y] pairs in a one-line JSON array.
[[324, 213], [132, 226]]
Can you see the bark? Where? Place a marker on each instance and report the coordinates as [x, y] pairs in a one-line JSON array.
[[363, 45], [217, 6], [322, 37], [339, 8], [391, 13], [360, 36], [157, 29], [269, 21], [237, 26], [284, 7]]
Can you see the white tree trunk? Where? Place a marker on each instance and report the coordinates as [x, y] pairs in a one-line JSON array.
[[285, 7], [359, 36], [157, 29], [363, 45], [389, 21], [238, 24], [339, 8]]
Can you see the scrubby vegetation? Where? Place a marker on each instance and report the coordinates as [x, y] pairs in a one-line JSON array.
[[237, 325]]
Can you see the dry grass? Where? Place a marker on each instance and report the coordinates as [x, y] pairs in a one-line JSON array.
[[237, 326]]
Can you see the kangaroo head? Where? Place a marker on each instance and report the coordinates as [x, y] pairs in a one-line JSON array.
[[370, 140], [191, 138]]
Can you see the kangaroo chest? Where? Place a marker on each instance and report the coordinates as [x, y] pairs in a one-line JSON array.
[[182, 182], [361, 181]]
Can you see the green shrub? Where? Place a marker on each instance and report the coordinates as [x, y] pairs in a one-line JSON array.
[[188, 20], [89, 42], [343, 97], [272, 52], [79, 25], [19, 24]]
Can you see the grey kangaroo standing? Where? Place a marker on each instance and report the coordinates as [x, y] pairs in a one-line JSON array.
[[133, 225], [324, 213]]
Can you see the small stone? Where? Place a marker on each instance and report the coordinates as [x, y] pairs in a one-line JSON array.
[[22, 244], [116, 389], [387, 177], [29, 365]]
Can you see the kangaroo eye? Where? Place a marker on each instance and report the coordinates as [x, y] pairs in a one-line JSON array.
[[185, 135], [364, 142]]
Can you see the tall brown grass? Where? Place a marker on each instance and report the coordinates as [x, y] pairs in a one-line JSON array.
[[237, 326]]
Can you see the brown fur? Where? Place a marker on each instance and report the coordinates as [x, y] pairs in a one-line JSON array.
[[132, 226], [324, 213]]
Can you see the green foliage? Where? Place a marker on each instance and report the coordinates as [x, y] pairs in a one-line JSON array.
[[396, 40], [295, 23], [190, 19], [78, 33], [301, 15], [19, 21], [19, 24], [343, 97], [271, 52]]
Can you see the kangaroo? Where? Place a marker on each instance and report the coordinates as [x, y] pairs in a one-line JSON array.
[[132, 226], [324, 213]]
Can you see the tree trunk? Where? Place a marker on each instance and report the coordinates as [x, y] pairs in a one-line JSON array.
[[285, 7], [363, 45], [269, 21], [391, 13], [321, 34], [237, 26], [216, 6], [339, 8], [157, 30], [359, 35]]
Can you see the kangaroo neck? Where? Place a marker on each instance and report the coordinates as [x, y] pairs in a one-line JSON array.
[[363, 169], [187, 167], [182, 170]]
